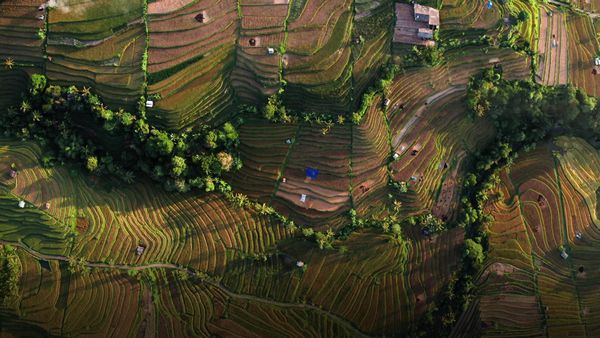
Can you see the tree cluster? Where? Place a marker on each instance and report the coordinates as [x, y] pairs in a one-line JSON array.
[[51, 115]]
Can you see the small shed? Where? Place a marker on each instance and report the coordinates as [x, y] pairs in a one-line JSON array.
[[21, 204], [425, 34], [386, 103], [299, 264], [12, 173], [149, 104], [564, 254], [270, 50], [139, 250], [303, 198], [396, 156], [47, 205], [597, 61]]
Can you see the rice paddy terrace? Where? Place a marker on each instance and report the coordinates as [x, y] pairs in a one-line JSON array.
[[327, 244]]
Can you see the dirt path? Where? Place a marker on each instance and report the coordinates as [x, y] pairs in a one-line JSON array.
[[343, 322], [553, 47], [415, 118]]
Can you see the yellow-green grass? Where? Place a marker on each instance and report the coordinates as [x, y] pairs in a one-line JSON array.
[[92, 20], [200, 232]]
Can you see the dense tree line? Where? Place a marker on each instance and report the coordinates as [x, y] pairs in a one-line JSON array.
[[10, 271], [52, 115], [524, 114]]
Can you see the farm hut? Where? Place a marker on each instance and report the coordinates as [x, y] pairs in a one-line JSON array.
[[199, 17], [303, 198], [139, 250], [284, 180], [149, 104], [564, 254], [311, 173], [41, 17], [42, 7], [12, 173], [414, 152], [21, 204], [386, 103], [270, 50], [396, 156], [288, 141], [299, 264], [578, 235], [47, 205], [597, 61], [252, 42]]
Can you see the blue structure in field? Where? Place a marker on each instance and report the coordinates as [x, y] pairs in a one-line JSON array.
[[312, 173], [489, 4]]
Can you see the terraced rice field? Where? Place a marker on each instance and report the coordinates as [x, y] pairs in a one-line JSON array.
[[327, 196], [431, 153], [553, 47], [190, 62], [98, 44], [263, 25], [19, 26], [152, 303], [460, 14], [317, 63], [548, 201], [111, 224], [583, 48], [207, 235], [376, 288]]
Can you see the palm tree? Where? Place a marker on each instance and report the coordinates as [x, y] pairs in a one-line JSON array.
[[129, 177], [9, 63], [86, 91], [240, 199], [25, 106]]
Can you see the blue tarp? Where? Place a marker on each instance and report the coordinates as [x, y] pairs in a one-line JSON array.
[[312, 173], [489, 5]]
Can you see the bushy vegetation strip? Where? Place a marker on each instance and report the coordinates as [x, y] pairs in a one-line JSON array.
[[193, 159], [524, 114]]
